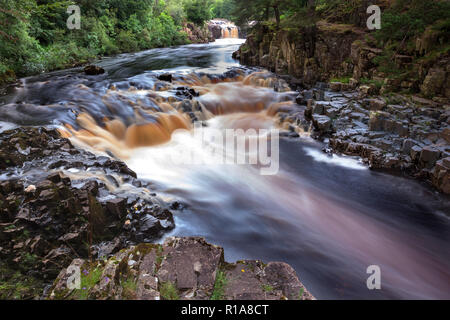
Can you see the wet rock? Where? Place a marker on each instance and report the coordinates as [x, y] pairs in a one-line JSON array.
[[433, 82], [381, 121], [377, 121], [407, 145], [61, 256], [149, 225], [93, 70], [428, 157], [216, 30], [441, 175], [376, 104], [394, 116], [309, 109], [300, 99], [319, 107], [54, 177], [117, 207], [368, 90], [415, 152], [336, 86], [319, 94], [322, 123], [165, 77], [445, 134]]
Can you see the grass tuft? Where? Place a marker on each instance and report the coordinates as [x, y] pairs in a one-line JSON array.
[[168, 291], [219, 286]]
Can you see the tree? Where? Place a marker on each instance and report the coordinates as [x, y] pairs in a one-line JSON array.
[[198, 11], [261, 10]]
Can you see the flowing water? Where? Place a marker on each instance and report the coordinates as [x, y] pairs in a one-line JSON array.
[[330, 217]]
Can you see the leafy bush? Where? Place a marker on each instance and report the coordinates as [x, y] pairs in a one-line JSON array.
[[126, 41], [407, 19]]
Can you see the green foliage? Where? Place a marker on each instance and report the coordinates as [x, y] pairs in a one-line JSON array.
[[377, 84], [198, 11], [127, 41], [89, 278], [219, 286], [223, 9], [340, 10], [267, 287], [14, 285], [266, 10], [407, 19], [34, 37], [168, 291], [341, 80], [300, 294], [129, 287]]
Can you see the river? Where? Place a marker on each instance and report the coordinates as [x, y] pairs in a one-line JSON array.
[[330, 217]]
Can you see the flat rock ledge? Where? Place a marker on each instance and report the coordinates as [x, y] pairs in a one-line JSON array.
[[186, 268]]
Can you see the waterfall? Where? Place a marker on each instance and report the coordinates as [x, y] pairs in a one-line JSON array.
[[230, 32], [227, 29]]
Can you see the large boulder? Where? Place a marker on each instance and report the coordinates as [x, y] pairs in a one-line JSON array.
[[215, 30], [93, 70], [322, 123], [433, 82], [441, 175], [428, 157]]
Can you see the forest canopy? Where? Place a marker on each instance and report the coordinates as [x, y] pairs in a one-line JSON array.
[[34, 37]]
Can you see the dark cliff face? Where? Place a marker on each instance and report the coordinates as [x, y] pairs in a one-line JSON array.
[[198, 34], [215, 30], [314, 53], [328, 50]]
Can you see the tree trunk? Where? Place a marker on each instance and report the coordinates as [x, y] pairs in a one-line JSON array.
[[267, 13], [277, 14]]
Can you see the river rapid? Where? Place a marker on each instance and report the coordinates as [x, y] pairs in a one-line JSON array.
[[329, 217]]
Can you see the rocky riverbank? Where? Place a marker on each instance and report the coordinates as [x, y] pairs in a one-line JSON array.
[[180, 268], [58, 203], [396, 122], [198, 34], [395, 132], [326, 50]]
